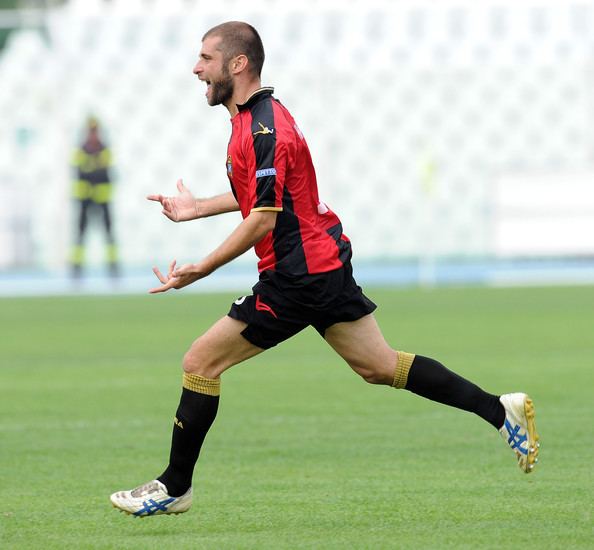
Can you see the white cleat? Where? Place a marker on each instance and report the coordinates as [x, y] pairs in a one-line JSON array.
[[151, 499], [519, 429]]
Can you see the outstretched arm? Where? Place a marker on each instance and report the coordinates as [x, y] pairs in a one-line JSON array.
[[186, 207], [251, 230]]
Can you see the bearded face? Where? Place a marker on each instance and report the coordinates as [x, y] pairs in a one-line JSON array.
[[220, 90]]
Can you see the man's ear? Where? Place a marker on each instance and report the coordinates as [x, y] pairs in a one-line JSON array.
[[238, 64]]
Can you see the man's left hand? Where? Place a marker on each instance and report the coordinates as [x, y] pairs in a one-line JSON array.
[[178, 277]]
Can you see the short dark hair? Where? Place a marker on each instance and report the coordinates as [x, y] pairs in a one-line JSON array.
[[240, 38]]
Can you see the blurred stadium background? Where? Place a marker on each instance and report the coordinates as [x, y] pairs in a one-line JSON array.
[[454, 138]]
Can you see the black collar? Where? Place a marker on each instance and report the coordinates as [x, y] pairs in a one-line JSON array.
[[259, 94]]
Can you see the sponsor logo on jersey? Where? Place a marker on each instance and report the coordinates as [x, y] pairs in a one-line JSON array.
[[229, 166], [264, 130], [240, 301], [265, 172]]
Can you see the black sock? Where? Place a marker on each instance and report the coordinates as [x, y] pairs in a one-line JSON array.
[[195, 415], [432, 380]]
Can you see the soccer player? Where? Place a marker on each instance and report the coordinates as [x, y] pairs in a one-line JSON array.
[[305, 278]]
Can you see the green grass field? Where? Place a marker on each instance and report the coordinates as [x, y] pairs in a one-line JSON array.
[[303, 454]]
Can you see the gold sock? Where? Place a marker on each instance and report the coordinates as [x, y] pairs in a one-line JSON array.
[[199, 384], [403, 364]]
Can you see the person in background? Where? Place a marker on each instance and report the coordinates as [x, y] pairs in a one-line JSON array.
[[93, 191]]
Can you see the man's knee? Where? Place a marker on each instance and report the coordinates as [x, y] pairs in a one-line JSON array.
[[372, 377], [374, 374], [392, 372], [189, 363], [198, 361], [221, 347]]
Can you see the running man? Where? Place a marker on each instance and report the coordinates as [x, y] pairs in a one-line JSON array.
[[305, 278]]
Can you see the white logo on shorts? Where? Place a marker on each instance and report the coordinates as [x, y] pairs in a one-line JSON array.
[[240, 301]]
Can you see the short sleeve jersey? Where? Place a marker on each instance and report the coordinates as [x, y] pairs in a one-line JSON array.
[[270, 168]]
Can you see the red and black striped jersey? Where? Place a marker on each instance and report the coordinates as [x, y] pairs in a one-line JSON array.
[[270, 168]]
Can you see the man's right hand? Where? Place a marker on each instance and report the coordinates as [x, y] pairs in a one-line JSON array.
[[178, 209]]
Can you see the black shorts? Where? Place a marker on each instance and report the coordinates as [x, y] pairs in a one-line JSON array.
[[280, 307]]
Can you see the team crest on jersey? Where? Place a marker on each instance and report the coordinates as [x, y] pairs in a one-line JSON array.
[[229, 166]]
